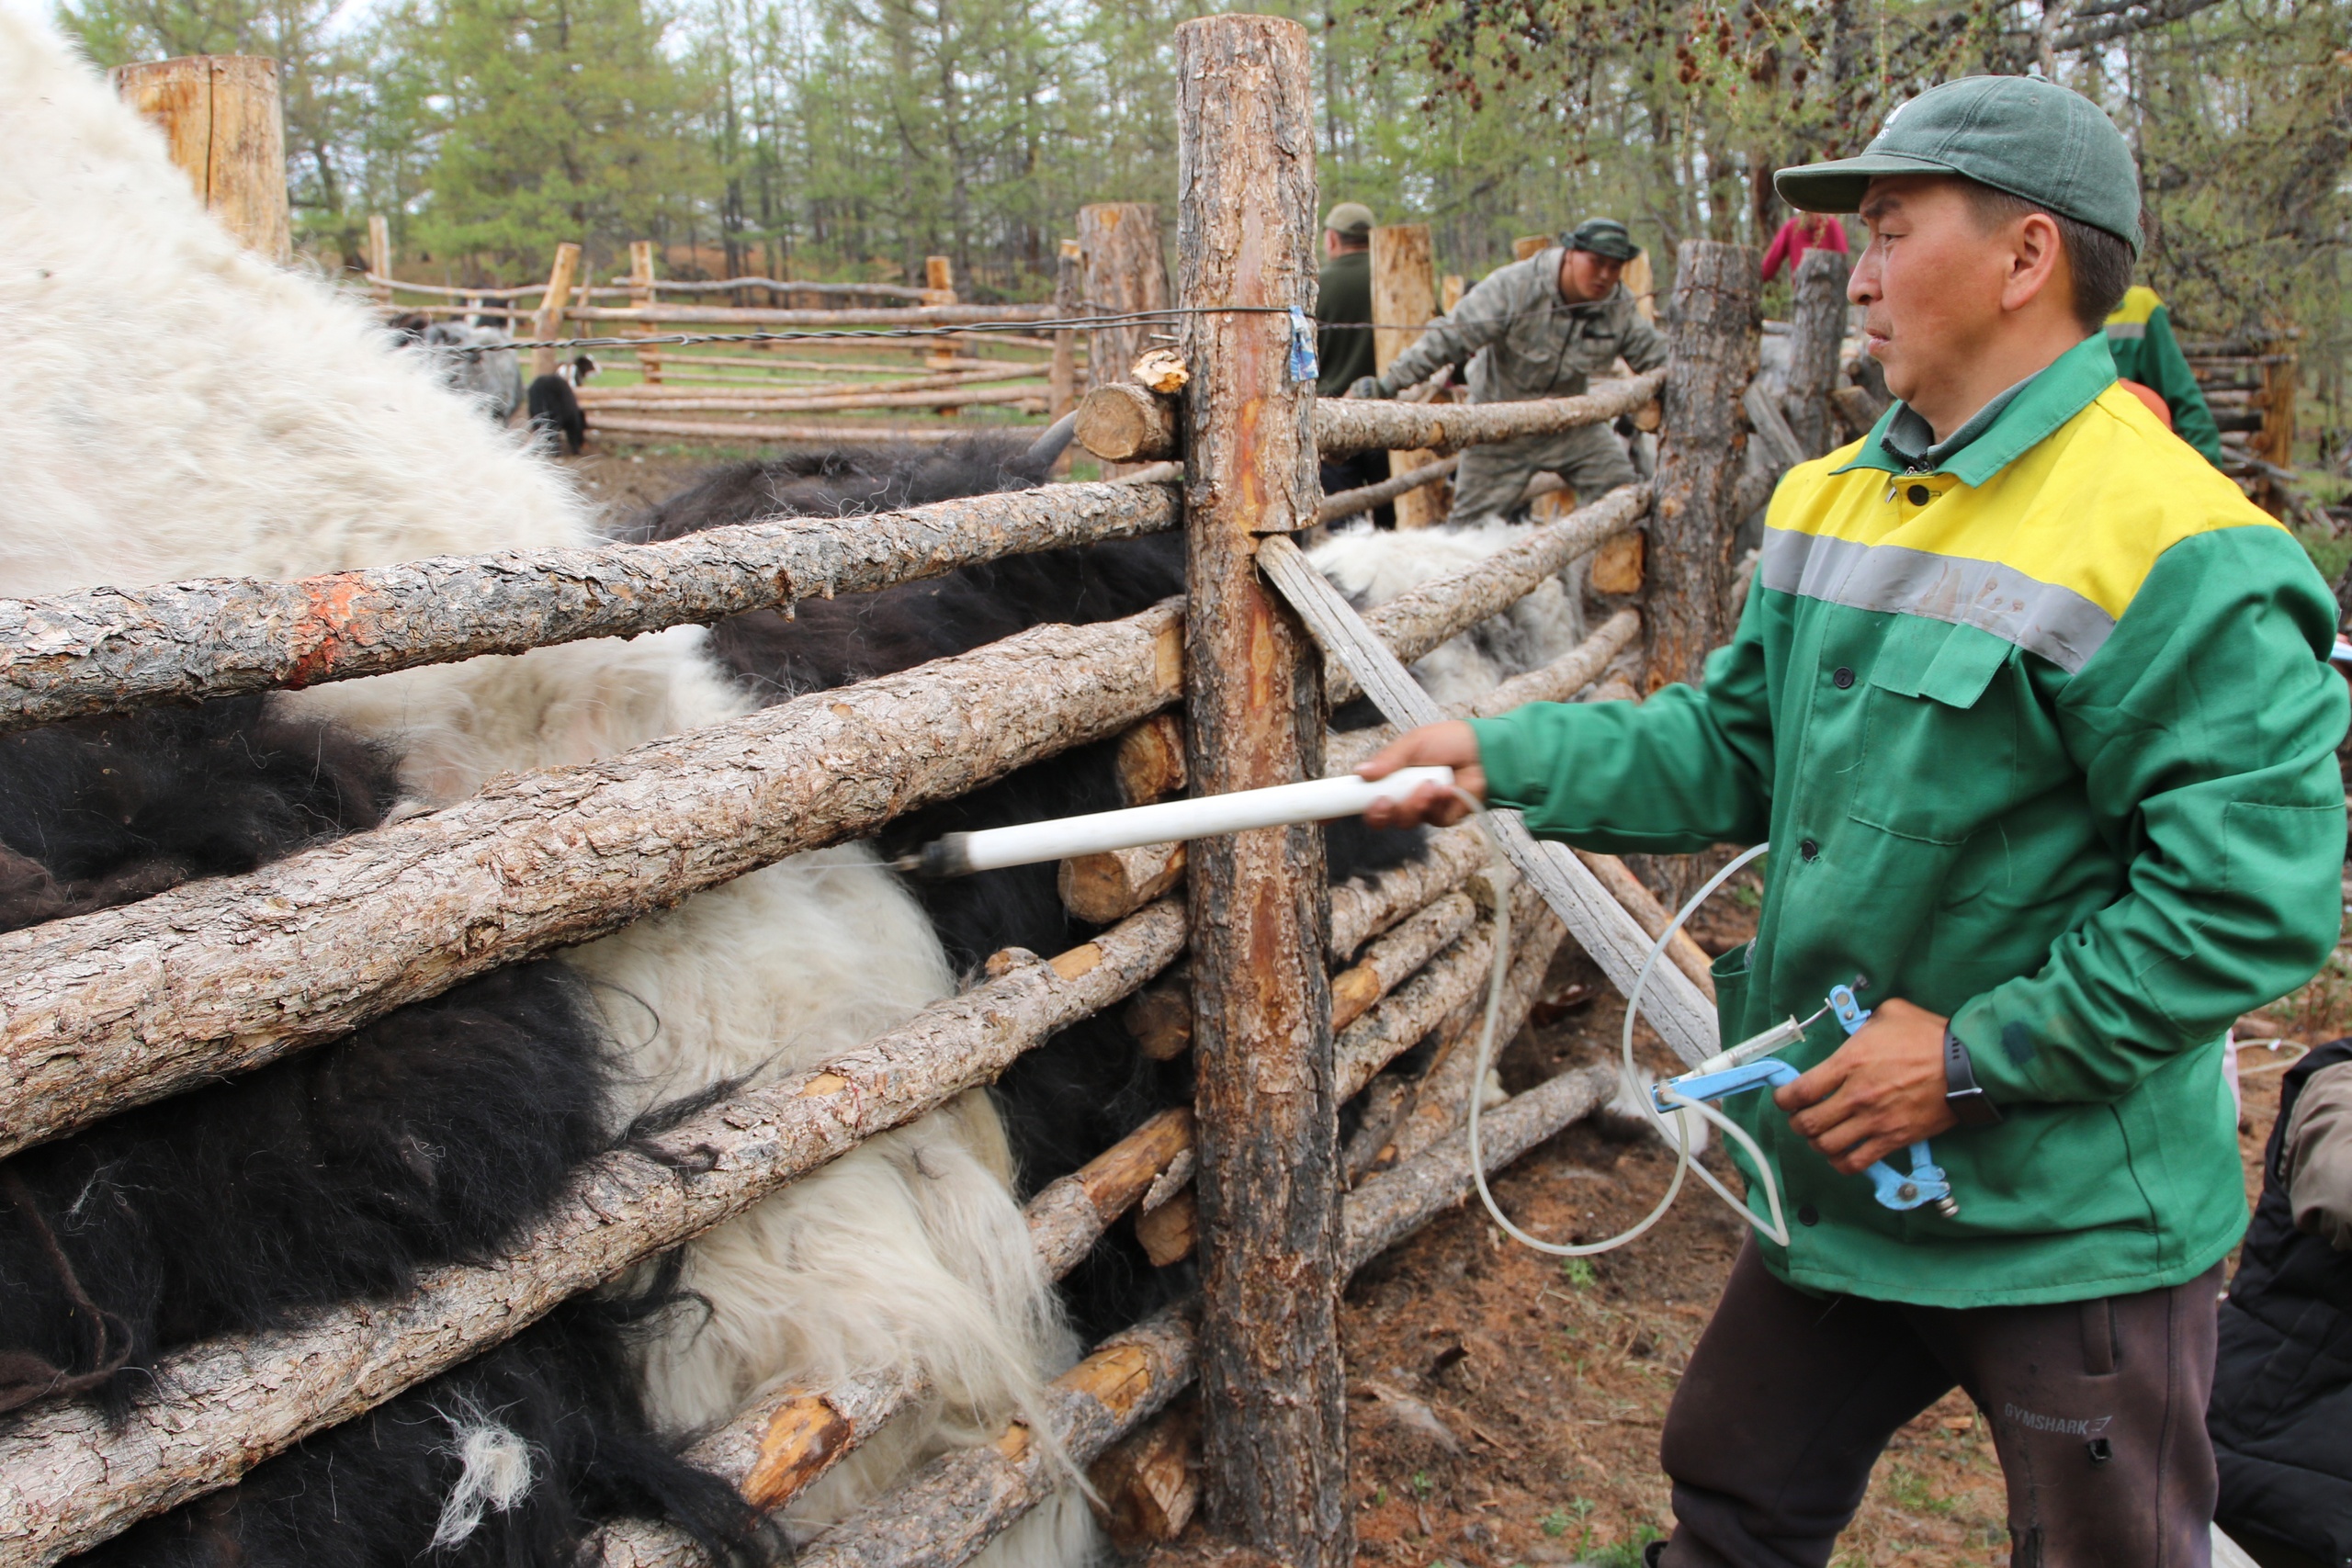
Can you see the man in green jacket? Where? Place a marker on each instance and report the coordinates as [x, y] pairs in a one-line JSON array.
[[2139, 335], [1538, 328], [2031, 705]]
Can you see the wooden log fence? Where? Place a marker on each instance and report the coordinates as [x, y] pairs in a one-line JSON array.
[[77, 1477], [1299, 996], [108, 649]]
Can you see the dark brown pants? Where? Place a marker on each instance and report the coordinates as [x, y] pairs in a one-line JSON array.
[[2098, 1411]]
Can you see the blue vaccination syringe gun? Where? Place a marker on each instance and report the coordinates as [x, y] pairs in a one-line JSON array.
[[1750, 1066]]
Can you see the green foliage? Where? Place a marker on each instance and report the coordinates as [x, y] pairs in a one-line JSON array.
[[558, 120], [1578, 1271], [852, 138]]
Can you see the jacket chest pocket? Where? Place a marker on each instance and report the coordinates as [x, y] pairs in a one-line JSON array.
[[1939, 742]]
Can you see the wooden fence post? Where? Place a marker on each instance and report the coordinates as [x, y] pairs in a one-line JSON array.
[[1527, 245], [1274, 1395], [379, 258], [1126, 271], [1816, 336], [641, 295], [220, 113], [1404, 298], [1061, 376], [1642, 284], [1713, 335], [549, 322]]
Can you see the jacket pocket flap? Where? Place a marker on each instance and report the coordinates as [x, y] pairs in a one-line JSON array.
[[1945, 663]]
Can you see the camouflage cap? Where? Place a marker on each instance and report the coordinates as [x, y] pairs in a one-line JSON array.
[[1350, 220], [1602, 237], [2033, 139]]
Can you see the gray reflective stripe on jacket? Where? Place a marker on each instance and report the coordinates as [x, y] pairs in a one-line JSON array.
[[2041, 617], [1521, 339]]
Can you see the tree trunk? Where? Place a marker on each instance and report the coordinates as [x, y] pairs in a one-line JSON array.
[[1817, 334], [130, 1004], [109, 650], [1714, 338], [1275, 1399], [1126, 273]]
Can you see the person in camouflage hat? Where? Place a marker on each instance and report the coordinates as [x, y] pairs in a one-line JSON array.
[[1538, 328]]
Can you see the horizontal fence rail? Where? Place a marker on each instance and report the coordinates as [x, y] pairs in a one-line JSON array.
[[76, 1478], [130, 1004], [1358, 424], [107, 650], [767, 316]]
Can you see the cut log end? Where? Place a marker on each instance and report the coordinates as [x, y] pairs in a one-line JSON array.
[[1123, 424]]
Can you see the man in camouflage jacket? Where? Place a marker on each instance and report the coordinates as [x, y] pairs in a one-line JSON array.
[[1538, 328]]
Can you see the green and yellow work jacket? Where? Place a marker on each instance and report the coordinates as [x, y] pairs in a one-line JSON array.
[[2044, 740]]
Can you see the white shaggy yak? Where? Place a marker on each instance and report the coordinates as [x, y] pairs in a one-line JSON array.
[[1372, 567], [184, 410]]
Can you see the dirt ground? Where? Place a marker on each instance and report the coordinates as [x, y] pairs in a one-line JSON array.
[[1505, 1407]]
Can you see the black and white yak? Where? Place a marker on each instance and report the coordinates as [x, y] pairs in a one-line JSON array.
[[193, 411], [186, 410]]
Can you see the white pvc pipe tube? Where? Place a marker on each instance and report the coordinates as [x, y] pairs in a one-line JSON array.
[[1317, 800]]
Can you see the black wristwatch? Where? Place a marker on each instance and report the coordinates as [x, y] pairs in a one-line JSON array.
[[1968, 1102]]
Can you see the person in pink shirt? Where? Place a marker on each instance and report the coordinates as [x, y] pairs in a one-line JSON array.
[[1806, 231]]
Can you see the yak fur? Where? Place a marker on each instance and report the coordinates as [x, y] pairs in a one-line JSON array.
[[188, 409], [428, 1136], [1090, 1085]]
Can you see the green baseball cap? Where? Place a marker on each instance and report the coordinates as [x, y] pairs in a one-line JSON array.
[[1350, 220], [2033, 139], [1602, 237]]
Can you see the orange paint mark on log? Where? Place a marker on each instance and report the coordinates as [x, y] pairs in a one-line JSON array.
[[1248, 461], [824, 1084], [1014, 1442], [801, 1443], [328, 628]]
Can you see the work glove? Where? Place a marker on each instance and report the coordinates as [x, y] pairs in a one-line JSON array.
[[1370, 386]]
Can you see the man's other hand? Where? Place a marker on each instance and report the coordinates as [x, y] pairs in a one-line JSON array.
[[1452, 745], [1370, 387], [1882, 1090]]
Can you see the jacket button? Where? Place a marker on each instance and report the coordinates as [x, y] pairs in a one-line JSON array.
[[1807, 1215], [1919, 495], [1809, 850], [1842, 679]]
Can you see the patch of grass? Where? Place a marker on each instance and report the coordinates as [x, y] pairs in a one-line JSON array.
[[1555, 1523], [1422, 1483], [1625, 1553], [2328, 552], [1578, 1271], [1912, 1492], [1380, 1497]]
